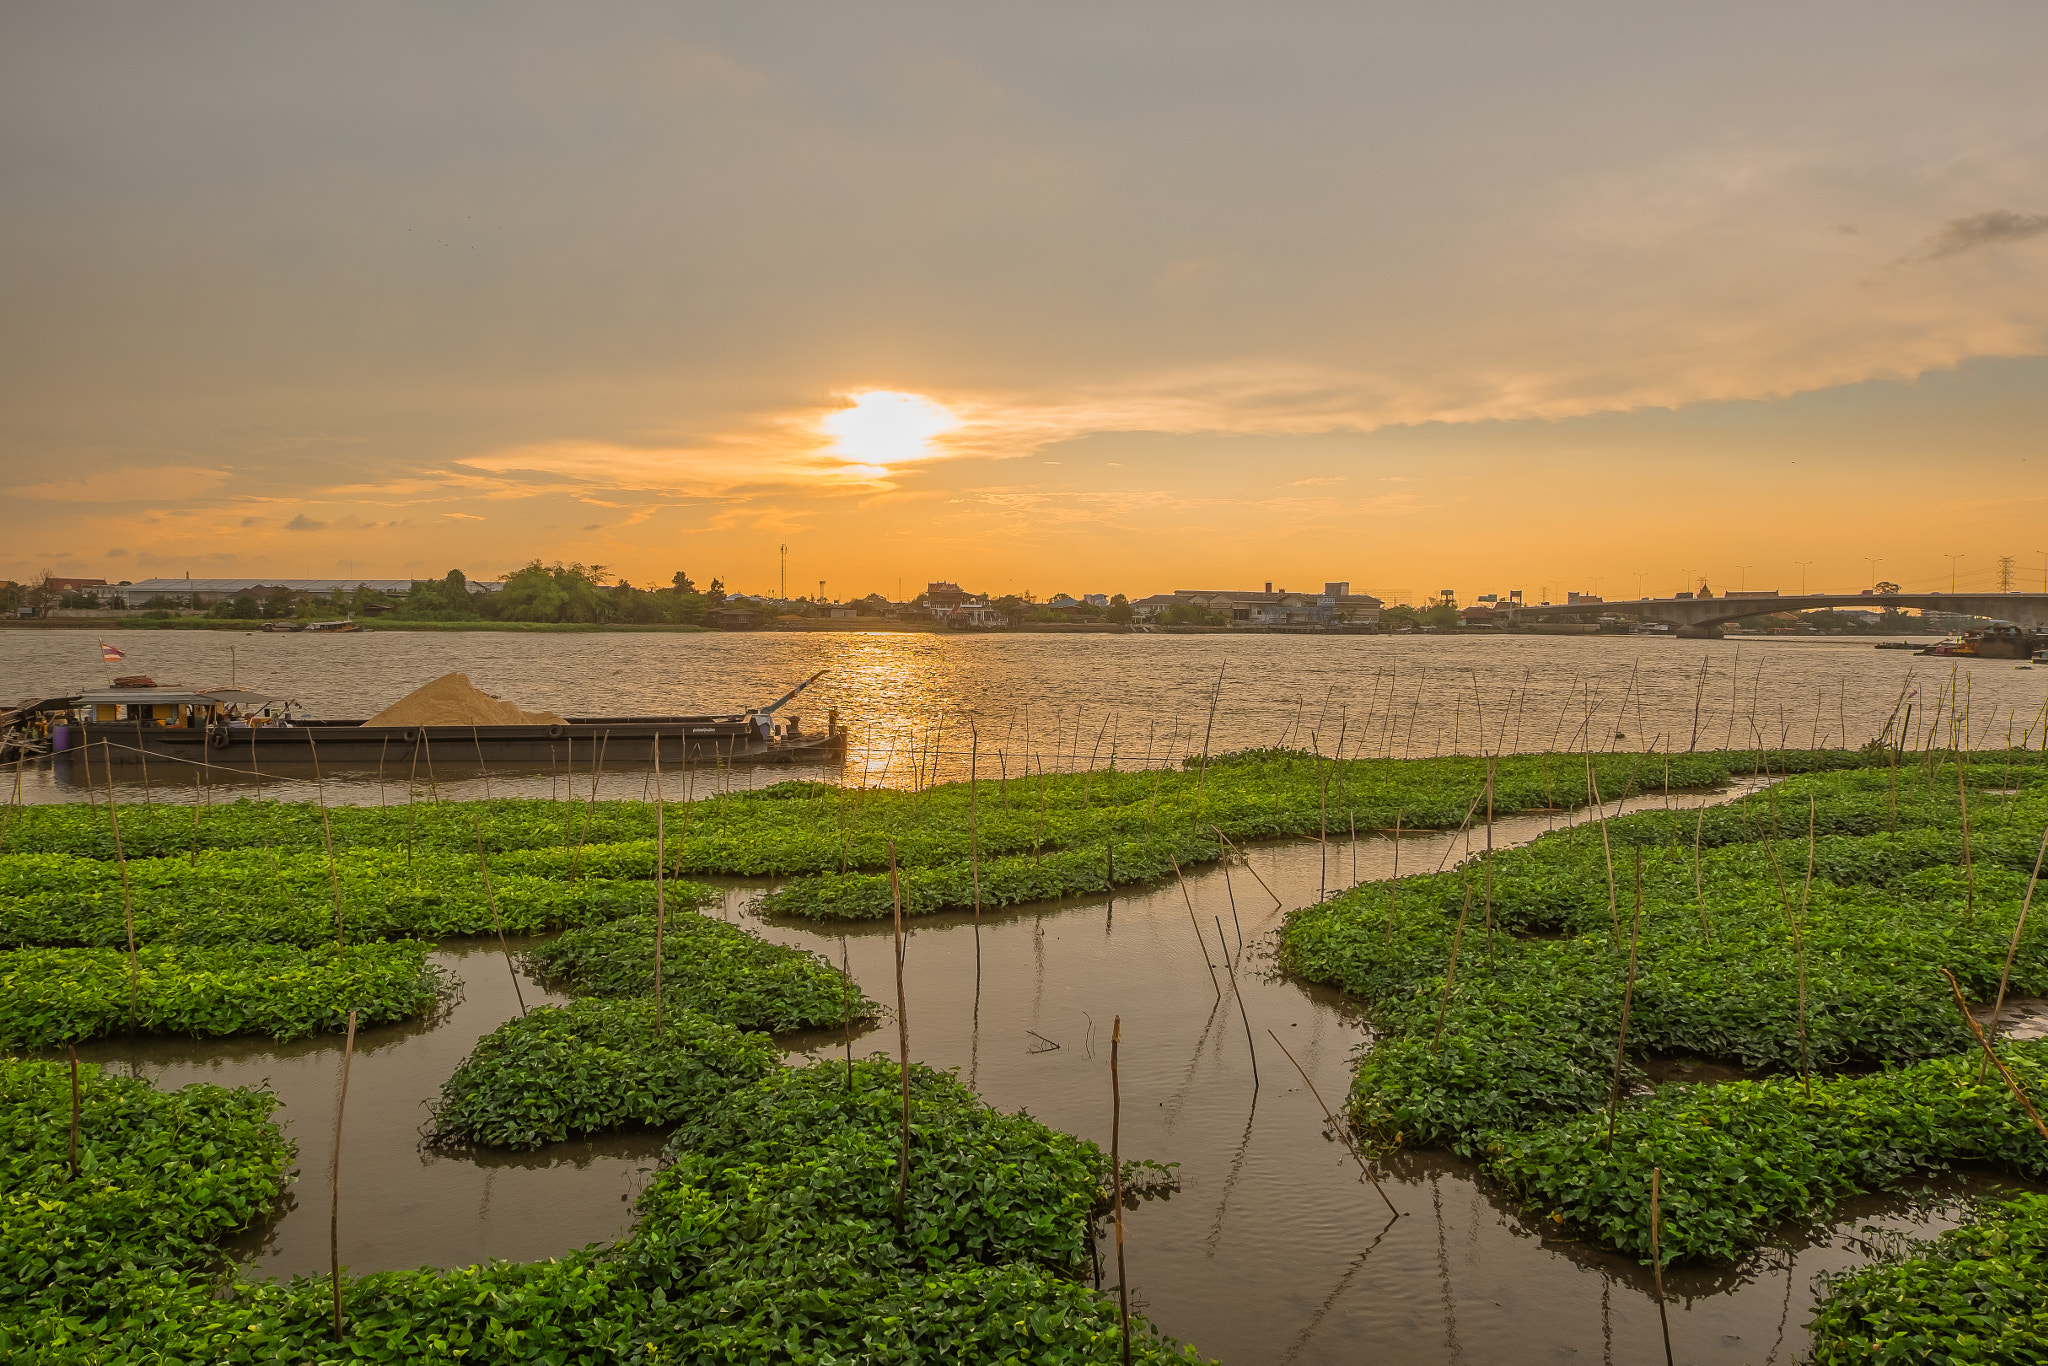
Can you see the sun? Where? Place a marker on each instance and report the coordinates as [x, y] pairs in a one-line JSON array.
[[883, 427]]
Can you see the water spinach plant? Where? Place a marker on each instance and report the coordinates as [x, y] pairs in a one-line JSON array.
[[1800, 932]]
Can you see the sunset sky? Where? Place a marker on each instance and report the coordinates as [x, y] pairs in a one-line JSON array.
[[1033, 297]]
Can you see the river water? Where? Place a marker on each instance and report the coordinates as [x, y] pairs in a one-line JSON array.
[[923, 706], [1272, 1251]]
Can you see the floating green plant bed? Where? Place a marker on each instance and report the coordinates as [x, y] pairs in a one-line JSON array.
[[561, 1072]]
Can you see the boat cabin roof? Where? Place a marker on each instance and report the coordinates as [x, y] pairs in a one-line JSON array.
[[167, 695]]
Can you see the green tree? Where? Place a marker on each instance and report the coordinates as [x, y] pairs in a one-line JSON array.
[[1119, 609]]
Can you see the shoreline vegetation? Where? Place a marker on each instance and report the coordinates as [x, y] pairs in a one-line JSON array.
[[1803, 934]]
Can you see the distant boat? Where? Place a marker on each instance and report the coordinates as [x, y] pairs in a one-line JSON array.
[[331, 627], [282, 626]]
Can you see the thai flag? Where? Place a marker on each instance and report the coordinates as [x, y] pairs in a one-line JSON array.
[[109, 654]]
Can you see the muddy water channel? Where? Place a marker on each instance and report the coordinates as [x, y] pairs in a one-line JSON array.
[[1273, 1250]]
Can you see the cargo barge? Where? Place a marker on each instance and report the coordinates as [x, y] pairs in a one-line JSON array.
[[241, 729]]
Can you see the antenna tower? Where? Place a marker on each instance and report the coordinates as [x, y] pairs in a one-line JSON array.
[[785, 571], [2006, 565]]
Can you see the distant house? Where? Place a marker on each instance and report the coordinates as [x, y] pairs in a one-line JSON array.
[[732, 617], [946, 595], [1572, 598], [1336, 605], [1060, 602], [1096, 599], [1145, 609], [842, 611], [975, 614]]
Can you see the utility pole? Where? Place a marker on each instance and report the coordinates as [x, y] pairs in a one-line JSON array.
[[1802, 575], [1873, 561], [1952, 567], [785, 571], [2044, 569]]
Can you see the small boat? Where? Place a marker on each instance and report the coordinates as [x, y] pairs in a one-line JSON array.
[[331, 627], [1947, 648], [281, 627], [1896, 645]]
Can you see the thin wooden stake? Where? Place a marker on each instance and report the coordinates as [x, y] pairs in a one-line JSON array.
[[1242, 1014], [1657, 1257], [327, 836], [348, 1049], [2018, 1093], [1394, 884], [1246, 860], [974, 833], [1606, 845], [660, 879], [1628, 997], [127, 909], [1116, 1174], [1451, 974], [1199, 937], [902, 1040], [1343, 1133], [484, 866], [74, 1111], [1202, 779], [2019, 926]]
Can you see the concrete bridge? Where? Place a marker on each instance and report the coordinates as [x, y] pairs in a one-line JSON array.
[[1703, 618]]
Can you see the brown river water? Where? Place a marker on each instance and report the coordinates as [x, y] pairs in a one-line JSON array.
[[922, 706], [1273, 1250]]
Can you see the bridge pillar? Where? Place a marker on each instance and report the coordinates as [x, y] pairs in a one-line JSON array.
[[1711, 631]]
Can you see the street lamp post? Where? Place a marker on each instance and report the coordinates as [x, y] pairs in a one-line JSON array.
[[1952, 568], [1873, 561], [1743, 582], [1802, 575]]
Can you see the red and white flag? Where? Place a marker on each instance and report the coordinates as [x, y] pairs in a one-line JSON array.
[[109, 654]]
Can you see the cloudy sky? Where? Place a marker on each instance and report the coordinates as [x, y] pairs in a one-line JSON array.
[[1046, 297]]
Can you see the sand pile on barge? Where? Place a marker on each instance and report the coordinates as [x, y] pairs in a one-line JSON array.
[[452, 700]]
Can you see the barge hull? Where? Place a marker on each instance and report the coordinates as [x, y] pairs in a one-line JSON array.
[[578, 742]]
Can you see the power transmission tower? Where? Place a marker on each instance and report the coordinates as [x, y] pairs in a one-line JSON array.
[[785, 571], [2006, 565]]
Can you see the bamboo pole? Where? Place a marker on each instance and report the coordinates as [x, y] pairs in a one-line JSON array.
[[1969, 865], [1343, 1132], [974, 835], [1394, 883], [2018, 1092], [127, 908], [1199, 938], [2019, 926], [1201, 781], [1451, 974], [74, 1110], [1628, 997], [902, 1040], [846, 1005], [327, 836], [1799, 946], [1606, 846], [1699, 886], [491, 894], [1657, 1256], [660, 879], [1242, 1014], [348, 1049], [1247, 865], [1116, 1175]]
